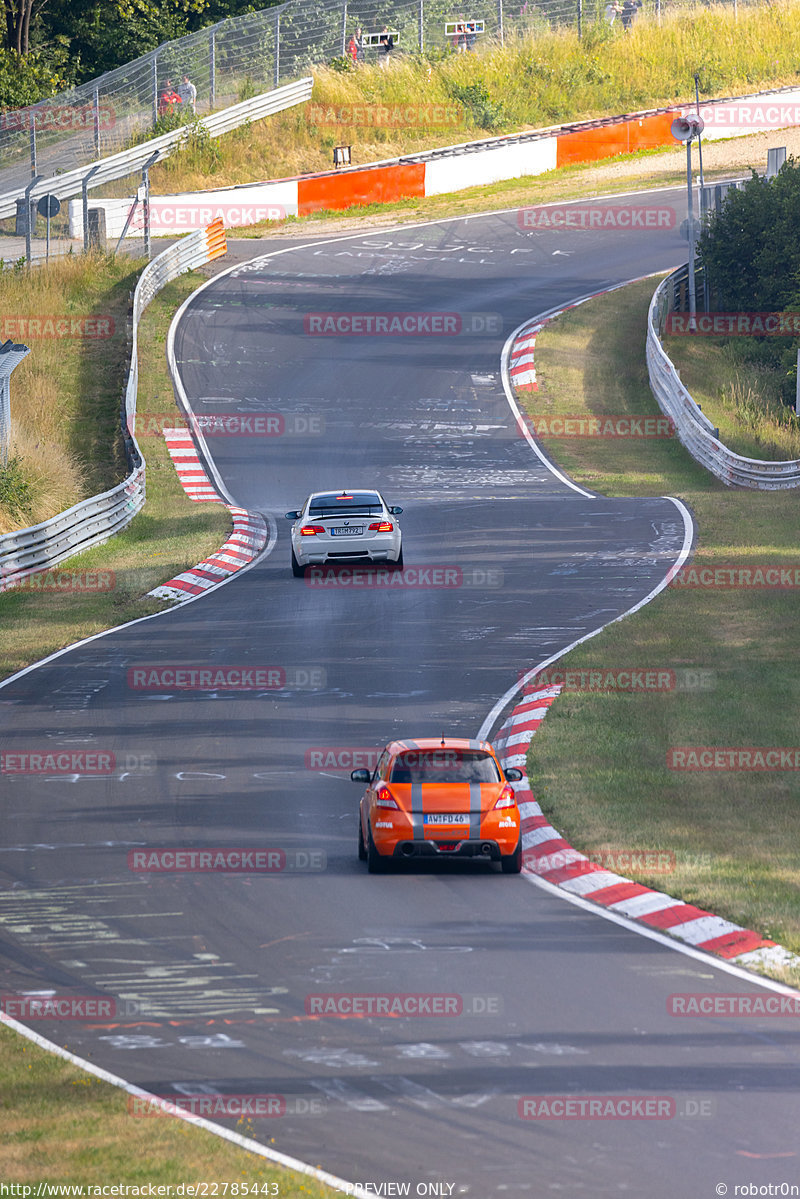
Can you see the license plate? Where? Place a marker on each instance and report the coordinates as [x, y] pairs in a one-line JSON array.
[[446, 818], [355, 531]]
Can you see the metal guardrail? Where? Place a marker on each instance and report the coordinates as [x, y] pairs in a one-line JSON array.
[[95, 520], [694, 430], [117, 166]]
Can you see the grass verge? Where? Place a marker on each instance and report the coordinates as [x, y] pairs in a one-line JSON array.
[[170, 534], [65, 442], [739, 394], [61, 1125], [598, 764]]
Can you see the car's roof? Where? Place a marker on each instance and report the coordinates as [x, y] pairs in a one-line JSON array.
[[440, 742], [352, 491]]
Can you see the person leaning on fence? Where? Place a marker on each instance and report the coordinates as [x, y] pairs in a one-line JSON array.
[[460, 39], [612, 11], [169, 100], [385, 46], [630, 9], [188, 94]]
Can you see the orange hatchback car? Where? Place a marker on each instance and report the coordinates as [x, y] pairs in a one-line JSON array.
[[439, 797]]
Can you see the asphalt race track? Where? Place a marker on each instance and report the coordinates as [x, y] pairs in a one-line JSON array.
[[213, 973]]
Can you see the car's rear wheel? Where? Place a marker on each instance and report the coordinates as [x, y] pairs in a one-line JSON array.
[[376, 863], [362, 849], [512, 862], [398, 565], [297, 570]]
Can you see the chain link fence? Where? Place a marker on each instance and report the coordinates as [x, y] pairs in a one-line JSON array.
[[243, 56]]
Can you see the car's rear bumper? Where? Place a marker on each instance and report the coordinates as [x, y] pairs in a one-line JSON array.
[[486, 849]]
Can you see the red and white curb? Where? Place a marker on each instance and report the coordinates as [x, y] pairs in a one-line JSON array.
[[548, 855], [521, 365], [245, 543]]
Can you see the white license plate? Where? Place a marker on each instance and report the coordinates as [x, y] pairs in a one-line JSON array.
[[446, 818], [355, 531]]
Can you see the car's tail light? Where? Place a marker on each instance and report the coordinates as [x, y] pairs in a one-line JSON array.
[[381, 526], [385, 799], [506, 799], [311, 530]]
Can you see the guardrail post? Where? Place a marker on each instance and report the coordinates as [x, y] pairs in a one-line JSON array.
[[85, 198], [277, 49], [212, 67], [96, 114], [420, 19], [10, 356]]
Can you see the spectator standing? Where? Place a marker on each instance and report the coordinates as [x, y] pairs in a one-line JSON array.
[[352, 47], [169, 100], [385, 46], [612, 11], [188, 94]]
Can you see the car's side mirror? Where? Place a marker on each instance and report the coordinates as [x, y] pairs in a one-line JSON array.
[[514, 775], [292, 515], [360, 776], [395, 511]]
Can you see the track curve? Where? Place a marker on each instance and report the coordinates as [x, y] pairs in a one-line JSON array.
[[220, 966]]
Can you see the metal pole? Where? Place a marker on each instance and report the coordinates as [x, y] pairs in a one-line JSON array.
[[699, 137], [5, 420], [28, 191], [344, 28], [96, 107], [420, 19], [146, 210], [580, 19], [33, 142], [797, 392], [85, 197], [277, 49], [212, 67], [47, 253], [155, 88], [692, 299]]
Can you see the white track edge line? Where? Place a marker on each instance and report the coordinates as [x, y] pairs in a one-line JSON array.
[[653, 934], [280, 1159]]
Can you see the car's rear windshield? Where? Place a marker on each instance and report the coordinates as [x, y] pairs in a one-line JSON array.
[[444, 766], [367, 502]]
